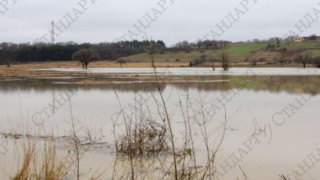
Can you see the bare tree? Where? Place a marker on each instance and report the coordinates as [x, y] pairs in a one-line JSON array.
[[203, 58], [281, 61], [304, 59], [183, 45], [85, 56], [199, 44], [316, 61], [254, 62], [8, 62], [6, 55], [224, 44], [278, 42], [151, 49], [313, 37], [225, 60], [121, 62], [212, 61]]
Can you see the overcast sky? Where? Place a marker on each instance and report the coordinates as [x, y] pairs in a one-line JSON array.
[[107, 20]]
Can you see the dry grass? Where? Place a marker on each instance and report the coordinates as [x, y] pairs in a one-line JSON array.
[[51, 169], [24, 172], [36, 167], [20, 69], [21, 72], [24, 69]]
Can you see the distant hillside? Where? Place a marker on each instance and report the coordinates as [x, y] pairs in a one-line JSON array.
[[238, 52]]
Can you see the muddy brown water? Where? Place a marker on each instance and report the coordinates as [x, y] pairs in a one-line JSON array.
[[270, 132]]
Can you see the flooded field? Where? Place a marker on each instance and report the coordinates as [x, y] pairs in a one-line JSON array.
[[261, 127], [198, 71], [130, 90]]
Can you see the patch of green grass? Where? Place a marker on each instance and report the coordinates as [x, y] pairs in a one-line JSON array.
[[300, 45], [297, 84], [236, 52], [248, 83], [245, 47]]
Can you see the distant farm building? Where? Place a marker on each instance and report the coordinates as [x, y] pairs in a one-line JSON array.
[[309, 38], [299, 39]]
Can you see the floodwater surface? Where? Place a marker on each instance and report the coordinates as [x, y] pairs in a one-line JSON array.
[[268, 133], [198, 71]]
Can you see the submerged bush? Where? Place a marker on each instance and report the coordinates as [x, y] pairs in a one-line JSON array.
[[149, 139]]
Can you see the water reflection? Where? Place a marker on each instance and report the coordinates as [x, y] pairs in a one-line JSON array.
[[94, 106], [289, 84]]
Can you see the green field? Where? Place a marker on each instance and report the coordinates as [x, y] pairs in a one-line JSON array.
[[238, 52]]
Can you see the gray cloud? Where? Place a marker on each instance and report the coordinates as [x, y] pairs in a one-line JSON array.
[[184, 20]]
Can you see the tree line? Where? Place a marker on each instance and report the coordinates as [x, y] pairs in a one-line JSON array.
[[201, 44], [39, 52]]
